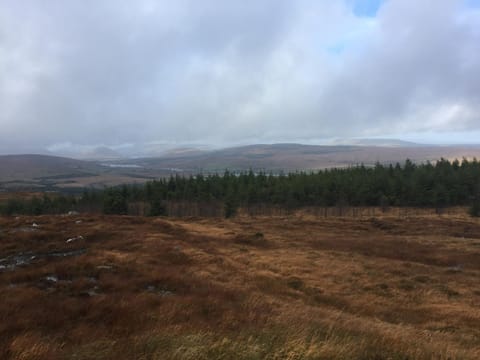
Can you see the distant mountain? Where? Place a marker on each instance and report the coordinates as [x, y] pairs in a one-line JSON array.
[[160, 149], [87, 153], [292, 157], [184, 151], [51, 172], [100, 153], [376, 142]]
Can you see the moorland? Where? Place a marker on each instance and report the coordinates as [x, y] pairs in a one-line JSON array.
[[400, 284]]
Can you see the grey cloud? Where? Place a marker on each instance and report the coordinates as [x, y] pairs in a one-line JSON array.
[[115, 72], [415, 62]]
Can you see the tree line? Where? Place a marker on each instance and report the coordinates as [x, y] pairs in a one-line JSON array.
[[443, 184]]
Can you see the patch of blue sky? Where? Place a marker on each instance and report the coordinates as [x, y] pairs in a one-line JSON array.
[[368, 8], [472, 3], [353, 41], [337, 48]]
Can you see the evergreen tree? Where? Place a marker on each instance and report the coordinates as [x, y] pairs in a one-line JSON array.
[[157, 207], [115, 202]]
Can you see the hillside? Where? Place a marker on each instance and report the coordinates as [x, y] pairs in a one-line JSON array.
[[44, 172], [376, 142], [401, 285], [25, 167], [292, 157], [51, 173]]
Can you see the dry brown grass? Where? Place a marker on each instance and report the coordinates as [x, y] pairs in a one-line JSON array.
[[298, 287]]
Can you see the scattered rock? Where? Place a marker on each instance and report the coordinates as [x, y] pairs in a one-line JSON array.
[[455, 269], [66, 253], [74, 239], [23, 259], [159, 291], [90, 293], [51, 278]]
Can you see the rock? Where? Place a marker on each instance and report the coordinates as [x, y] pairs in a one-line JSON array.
[[455, 269], [24, 259], [74, 239], [165, 293], [155, 290], [35, 225], [51, 278], [66, 253], [90, 293]]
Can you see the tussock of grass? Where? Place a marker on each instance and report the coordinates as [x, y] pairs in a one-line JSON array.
[[257, 239], [292, 288]]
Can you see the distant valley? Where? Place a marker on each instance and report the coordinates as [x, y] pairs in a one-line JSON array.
[[44, 172]]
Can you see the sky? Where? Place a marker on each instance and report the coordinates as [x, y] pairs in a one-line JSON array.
[[133, 75]]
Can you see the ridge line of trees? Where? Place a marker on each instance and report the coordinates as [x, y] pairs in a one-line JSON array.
[[443, 184]]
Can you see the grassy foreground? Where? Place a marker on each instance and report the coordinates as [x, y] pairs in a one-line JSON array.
[[298, 287]]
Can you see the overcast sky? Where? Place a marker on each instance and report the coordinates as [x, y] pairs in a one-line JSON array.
[[84, 73]]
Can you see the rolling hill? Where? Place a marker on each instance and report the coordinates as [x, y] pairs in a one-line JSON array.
[[42, 172], [22, 167], [293, 157]]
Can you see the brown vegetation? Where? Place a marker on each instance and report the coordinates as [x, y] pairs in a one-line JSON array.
[[279, 287]]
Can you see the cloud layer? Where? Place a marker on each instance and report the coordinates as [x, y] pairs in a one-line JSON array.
[[211, 71]]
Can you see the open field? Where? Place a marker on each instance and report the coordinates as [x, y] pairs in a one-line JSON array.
[[298, 287]]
